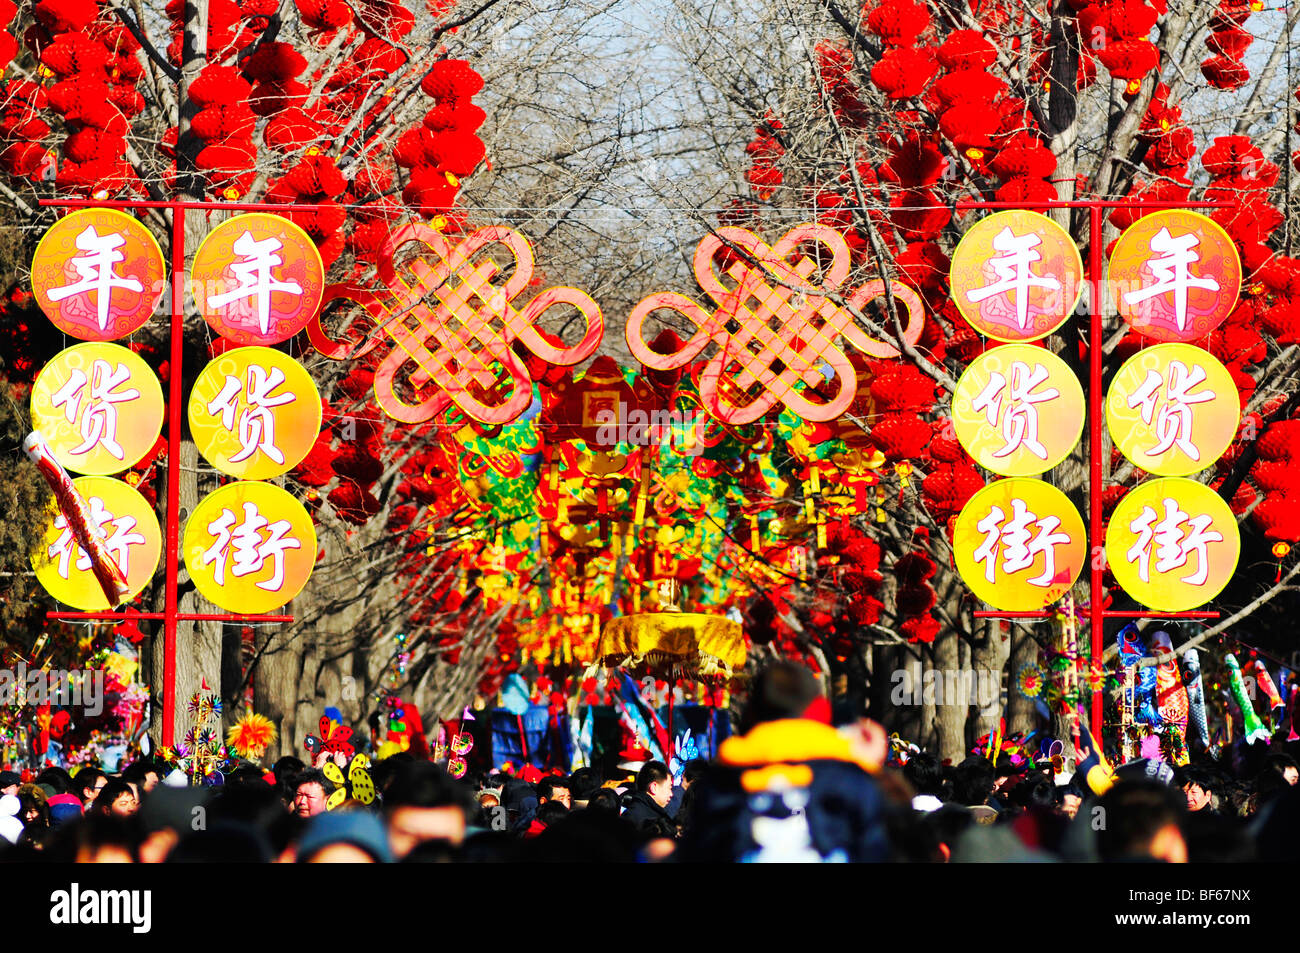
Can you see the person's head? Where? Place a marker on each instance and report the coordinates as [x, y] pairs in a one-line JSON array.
[[166, 815], [924, 772], [654, 781], [972, 781], [34, 809], [550, 812], [102, 838], [1141, 820], [692, 771], [551, 788], [1278, 773], [1198, 788], [87, 785], [10, 782], [286, 769], [606, 800], [781, 690], [116, 797], [1068, 799], [143, 774], [311, 789], [57, 778], [344, 837], [1033, 792], [583, 783], [423, 802]]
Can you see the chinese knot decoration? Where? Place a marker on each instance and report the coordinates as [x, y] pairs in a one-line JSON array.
[[452, 327], [774, 330]]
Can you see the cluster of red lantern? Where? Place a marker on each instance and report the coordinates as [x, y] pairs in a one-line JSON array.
[[94, 70], [765, 151], [1228, 41], [915, 596], [1117, 32], [445, 147], [224, 124]]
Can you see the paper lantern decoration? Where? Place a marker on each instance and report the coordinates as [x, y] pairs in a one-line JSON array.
[[254, 413], [98, 274], [99, 406], [249, 547], [1173, 409], [1172, 544], [257, 279]]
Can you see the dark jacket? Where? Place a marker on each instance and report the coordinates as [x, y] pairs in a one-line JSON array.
[[789, 790], [648, 817]]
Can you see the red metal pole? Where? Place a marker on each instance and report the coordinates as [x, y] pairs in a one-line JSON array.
[[1097, 563], [175, 410]]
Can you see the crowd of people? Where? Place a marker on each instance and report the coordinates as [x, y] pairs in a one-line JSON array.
[[790, 787]]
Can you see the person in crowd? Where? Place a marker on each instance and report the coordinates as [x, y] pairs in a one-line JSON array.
[[552, 788], [351, 837], [924, 772], [424, 803], [311, 789], [646, 805], [972, 787], [87, 785], [116, 798], [10, 782], [791, 787], [1199, 787], [1141, 821]]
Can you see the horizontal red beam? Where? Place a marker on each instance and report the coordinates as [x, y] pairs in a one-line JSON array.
[[137, 203], [187, 616], [1105, 614], [1089, 203]]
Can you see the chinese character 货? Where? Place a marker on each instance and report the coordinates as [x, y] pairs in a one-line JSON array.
[[251, 551], [1020, 416], [1172, 273], [254, 275], [1173, 544], [95, 272], [1014, 274], [256, 421], [97, 419], [1018, 547], [1173, 423]]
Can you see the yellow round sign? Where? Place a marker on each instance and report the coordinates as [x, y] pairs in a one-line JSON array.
[[99, 407], [1172, 544], [1018, 410], [257, 279], [133, 541], [1173, 409], [254, 413], [1019, 544], [250, 547], [98, 274], [1016, 276], [1174, 275]]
